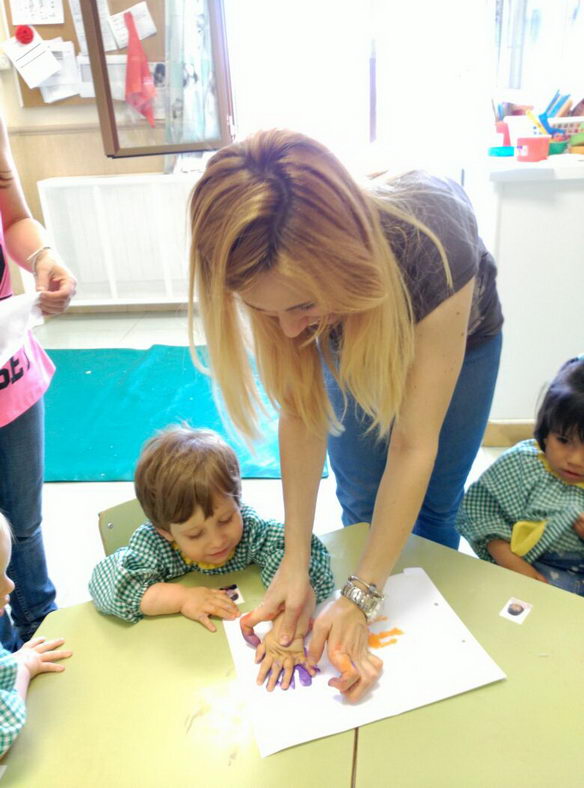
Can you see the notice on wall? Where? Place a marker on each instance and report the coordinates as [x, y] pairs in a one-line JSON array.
[[37, 12], [65, 82], [144, 24], [34, 61]]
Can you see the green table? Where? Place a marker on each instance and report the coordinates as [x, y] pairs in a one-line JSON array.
[[156, 703]]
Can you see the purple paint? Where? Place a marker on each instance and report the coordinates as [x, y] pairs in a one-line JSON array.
[[252, 639], [304, 676]]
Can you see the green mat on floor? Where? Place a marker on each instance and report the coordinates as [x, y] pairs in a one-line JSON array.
[[104, 403]]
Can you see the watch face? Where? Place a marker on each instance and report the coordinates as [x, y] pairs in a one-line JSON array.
[[373, 608], [368, 604]]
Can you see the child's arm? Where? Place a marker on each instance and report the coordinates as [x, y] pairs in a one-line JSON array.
[[500, 551], [494, 503], [119, 581], [195, 603], [16, 672]]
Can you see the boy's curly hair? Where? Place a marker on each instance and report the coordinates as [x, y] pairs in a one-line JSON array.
[[181, 469]]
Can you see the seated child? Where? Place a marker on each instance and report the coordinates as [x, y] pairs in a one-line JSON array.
[[16, 670], [188, 483], [526, 512]]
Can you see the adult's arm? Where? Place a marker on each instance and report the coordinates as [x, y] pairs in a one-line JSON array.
[[24, 236], [302, 456], [440, 342]]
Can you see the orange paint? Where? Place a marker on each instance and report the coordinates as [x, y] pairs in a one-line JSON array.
[[382, 639]]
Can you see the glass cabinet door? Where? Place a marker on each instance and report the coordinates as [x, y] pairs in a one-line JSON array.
[[161, 76]]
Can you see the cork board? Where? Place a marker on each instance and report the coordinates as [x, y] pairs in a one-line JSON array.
[[154, 46]]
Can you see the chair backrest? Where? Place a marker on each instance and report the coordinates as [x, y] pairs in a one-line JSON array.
[[116, 525]]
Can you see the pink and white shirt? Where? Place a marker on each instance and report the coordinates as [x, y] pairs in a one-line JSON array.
[[27, 375]]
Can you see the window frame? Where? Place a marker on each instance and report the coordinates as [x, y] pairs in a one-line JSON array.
[[105, 105]]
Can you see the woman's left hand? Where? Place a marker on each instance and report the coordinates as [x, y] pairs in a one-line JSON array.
[[343, 627], [55, 282]]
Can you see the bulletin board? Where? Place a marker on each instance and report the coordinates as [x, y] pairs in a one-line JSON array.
[[154, 46]]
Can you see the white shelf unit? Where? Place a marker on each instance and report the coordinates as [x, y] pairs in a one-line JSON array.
[[124, 236], [530, 215]]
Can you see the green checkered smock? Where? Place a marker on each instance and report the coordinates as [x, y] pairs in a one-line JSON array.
[[12, 708], [519, 486], [119, 582]]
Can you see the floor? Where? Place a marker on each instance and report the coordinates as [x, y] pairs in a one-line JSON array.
[[70, 509]]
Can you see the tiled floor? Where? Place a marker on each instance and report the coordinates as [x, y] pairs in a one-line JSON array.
[[70, 509]]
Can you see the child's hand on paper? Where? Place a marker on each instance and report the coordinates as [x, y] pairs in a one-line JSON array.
[[279, 661], [579, 525], [199, 603]]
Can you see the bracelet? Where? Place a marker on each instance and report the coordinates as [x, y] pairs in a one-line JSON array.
[[369, 602], [33, 258], [371, 587]]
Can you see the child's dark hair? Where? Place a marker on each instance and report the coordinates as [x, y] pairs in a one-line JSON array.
[[182, 468], [562, 409]]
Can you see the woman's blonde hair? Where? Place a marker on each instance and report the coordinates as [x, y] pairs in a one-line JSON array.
[[280, 201]]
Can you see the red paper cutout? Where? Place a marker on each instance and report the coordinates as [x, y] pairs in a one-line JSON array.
[[140, 89]]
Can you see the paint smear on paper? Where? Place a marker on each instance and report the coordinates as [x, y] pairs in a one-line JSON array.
[[386, 638]]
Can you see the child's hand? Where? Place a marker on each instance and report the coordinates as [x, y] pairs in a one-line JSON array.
[[39, 655], [201, 602], [281, 660], [579, 525]]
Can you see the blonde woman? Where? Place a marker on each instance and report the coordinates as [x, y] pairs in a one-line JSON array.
[[374, 319]]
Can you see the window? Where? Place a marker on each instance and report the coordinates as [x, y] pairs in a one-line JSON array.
[[540, 48], [414, 78]]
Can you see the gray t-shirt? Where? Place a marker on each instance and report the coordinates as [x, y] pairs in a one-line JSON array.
[[443, 206]]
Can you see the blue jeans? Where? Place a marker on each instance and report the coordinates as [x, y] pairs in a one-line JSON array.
[[21, 484], [563, 570], [358, 460]]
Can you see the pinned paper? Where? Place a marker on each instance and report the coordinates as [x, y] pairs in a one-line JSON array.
[[37, 12], [116, 72], [428, 654], [109, 41], [65, 82], [144, 24], [18, 315], [34, 61]]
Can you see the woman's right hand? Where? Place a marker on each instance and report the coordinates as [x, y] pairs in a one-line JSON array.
[[291, 594]]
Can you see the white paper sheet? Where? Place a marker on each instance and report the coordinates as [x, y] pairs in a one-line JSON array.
[[34, 62], [435, 658], [65, 82], [36, 12], [116, 70], [18, 314], [144, 24], [109, 41]]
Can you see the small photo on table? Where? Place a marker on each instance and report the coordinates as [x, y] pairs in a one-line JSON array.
[[234, 593], [516, 610]]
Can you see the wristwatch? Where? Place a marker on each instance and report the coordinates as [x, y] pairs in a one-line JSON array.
[[368, 600]]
